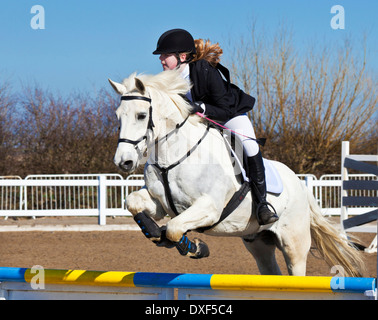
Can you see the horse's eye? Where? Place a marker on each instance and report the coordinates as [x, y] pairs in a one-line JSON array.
[[141, 116]]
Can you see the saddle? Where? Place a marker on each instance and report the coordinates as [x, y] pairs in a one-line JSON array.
[[273, 180]]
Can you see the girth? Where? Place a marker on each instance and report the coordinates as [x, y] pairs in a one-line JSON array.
[[167, 189], [164, 172], [234, 202]]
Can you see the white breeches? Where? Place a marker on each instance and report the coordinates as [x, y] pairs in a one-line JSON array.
[[241, 124]]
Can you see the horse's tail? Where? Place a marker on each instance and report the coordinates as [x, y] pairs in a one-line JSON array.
[[332, 245]]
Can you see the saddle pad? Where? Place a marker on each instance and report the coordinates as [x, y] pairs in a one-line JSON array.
[[273, 179]]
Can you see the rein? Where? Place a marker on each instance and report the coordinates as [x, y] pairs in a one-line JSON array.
[[260, 141]]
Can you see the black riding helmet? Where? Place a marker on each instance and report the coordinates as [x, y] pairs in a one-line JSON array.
[[175, 41]]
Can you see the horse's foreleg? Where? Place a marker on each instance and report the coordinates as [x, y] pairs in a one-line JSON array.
[[143, 208], [202, 213], [141, 200]]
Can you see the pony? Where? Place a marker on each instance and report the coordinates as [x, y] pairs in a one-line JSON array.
[[189, 176]]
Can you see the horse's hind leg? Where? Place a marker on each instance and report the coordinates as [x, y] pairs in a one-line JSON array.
[[263, 247], [295, 248]]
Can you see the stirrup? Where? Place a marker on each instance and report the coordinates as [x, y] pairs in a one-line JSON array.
[[266, 204]]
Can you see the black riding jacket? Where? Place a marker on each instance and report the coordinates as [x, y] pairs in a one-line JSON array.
[[223, 100]]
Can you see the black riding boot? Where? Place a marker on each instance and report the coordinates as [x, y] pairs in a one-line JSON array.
[[256, 175]]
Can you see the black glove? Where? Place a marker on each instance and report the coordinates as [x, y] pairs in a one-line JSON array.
[[198, 106]]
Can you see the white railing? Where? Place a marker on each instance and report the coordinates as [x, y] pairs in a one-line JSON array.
[[104, 195], [67, 195], [327, 192], [60, 197], [8, 195]]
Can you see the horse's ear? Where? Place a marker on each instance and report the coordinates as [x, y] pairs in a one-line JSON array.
[[118, 87], [140, 86]]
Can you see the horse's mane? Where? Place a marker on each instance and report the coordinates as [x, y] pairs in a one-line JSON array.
[[169, 83]]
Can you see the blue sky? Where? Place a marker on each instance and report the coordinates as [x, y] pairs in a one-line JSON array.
[[87, 41]]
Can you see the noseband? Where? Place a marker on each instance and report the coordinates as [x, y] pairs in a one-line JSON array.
[[150, 124]]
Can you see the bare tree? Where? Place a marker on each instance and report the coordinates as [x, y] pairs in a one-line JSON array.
[[77, 134], [7, 141], [308, 99]]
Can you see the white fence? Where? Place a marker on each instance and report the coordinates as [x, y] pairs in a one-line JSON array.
[[104, 195], [327, 192], [67, 195]]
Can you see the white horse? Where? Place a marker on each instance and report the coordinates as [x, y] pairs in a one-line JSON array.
[[155, 126]]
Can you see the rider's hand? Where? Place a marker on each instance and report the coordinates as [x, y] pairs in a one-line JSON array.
[[198, 107]]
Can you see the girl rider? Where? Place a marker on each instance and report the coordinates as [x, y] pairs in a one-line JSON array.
[[217, 99]]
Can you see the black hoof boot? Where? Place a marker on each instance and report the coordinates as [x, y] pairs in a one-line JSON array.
[[185, 246], [148, 226], [164, 241], [195, 250]]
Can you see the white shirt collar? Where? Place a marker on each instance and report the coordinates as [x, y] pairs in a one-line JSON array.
[[185, 73]]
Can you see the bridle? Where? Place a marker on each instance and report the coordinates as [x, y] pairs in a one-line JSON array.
[[150, 124]]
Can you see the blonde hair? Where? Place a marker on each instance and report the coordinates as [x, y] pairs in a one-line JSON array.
[[210, 52]]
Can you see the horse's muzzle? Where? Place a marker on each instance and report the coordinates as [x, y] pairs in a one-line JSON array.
[[127, 166]]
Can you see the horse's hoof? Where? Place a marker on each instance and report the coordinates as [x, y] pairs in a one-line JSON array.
[[202, 250]]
